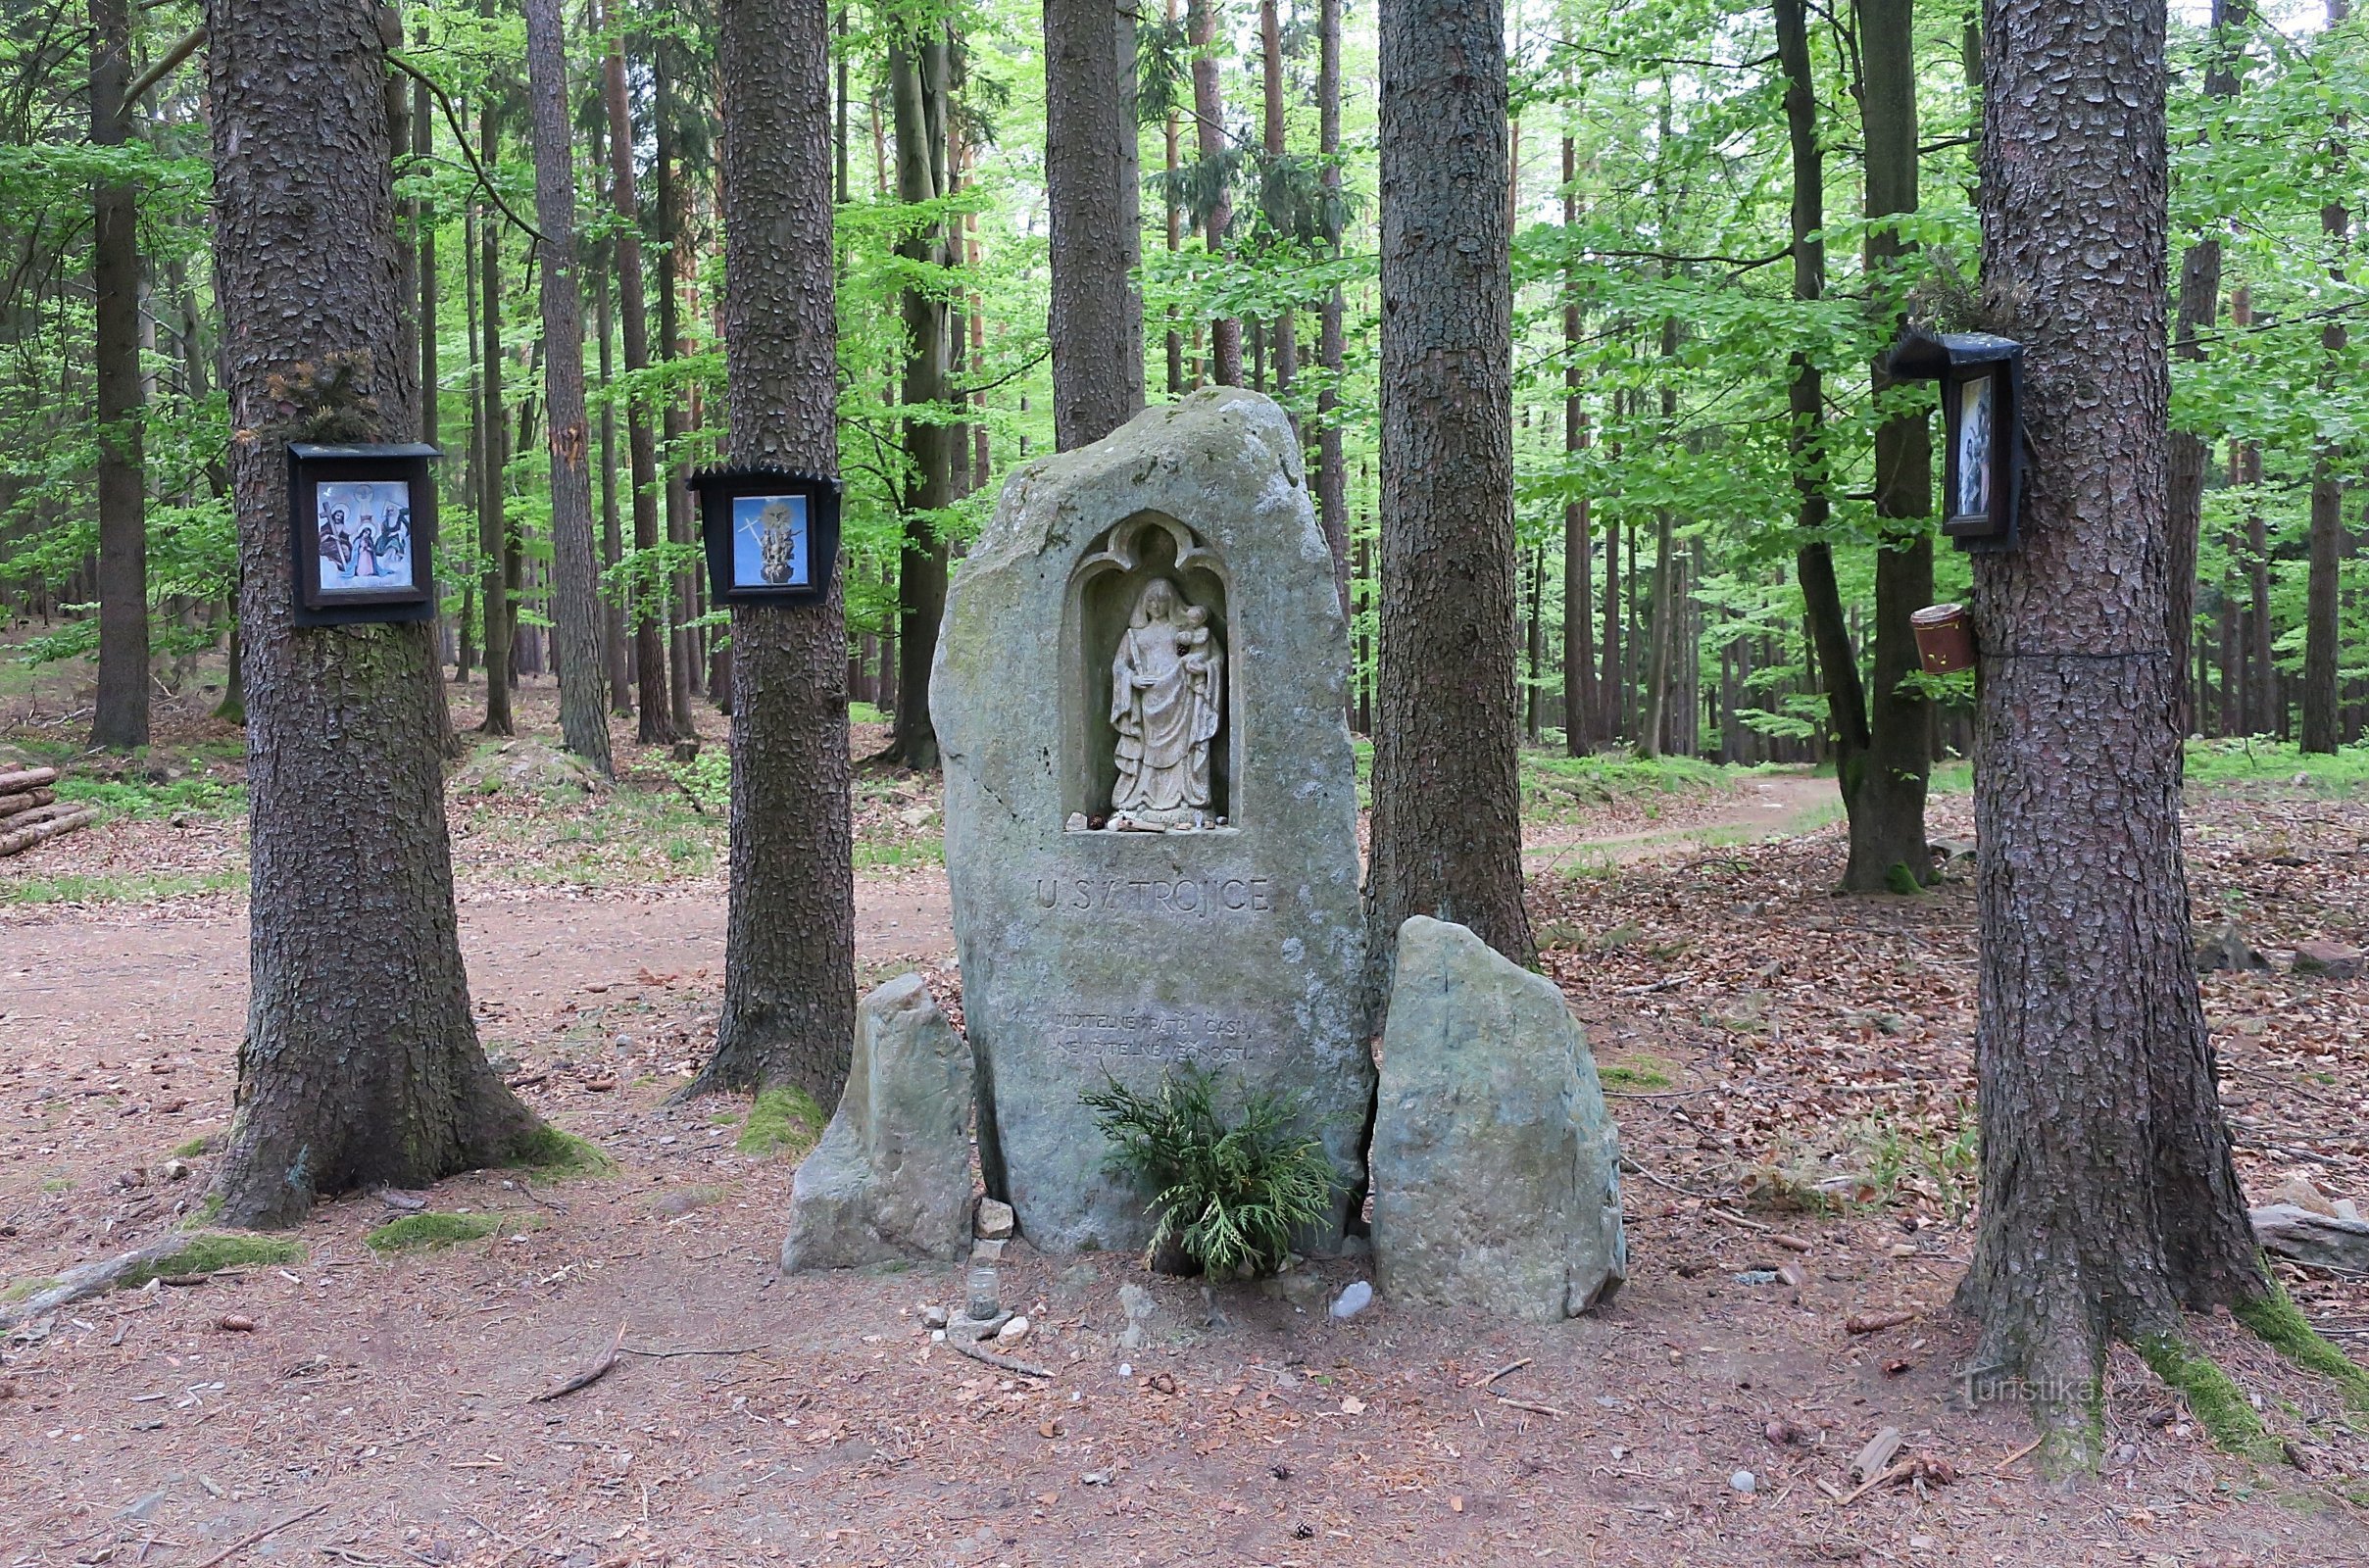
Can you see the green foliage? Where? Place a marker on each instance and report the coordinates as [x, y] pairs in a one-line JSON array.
[[781, 1121], [2258, 759], [1229, 1193], [212, 1251], [138, 798], [429, 1232]]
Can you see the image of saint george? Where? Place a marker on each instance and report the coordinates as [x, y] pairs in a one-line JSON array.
[[1974, 448], [1167, 696]]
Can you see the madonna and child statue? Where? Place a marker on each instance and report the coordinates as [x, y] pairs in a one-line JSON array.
[[1167, 695]]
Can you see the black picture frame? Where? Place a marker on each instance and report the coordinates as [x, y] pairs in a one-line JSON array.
[[332, 556], [1981, 378], [772, 534]]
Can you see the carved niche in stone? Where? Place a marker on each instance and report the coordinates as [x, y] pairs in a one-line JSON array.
[[1147, 704]]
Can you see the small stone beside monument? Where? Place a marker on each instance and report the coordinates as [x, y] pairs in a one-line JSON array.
[[891, 1178], [1496, 1163]]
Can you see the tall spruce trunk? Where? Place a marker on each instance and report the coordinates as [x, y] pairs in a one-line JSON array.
[[1838, 662], [2200, 307], [1332, 477], [1447, 826], [2323, 729], [493, 436], [1887, 808], [918, 94], [361, 1065], [789, 1005], [1209, 123], [575, 589], [121, 722], [1582, 707], [1093, 394], [2109, 1201], [1271, 137], [614, 641], [681, 652], [649, 602]]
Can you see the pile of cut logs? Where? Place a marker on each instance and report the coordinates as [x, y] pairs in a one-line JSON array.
[[30, 811]]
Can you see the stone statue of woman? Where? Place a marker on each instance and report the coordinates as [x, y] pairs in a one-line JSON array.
[[1167, 693]]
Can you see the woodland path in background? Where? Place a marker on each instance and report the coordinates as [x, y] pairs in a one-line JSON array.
[[188, 972]]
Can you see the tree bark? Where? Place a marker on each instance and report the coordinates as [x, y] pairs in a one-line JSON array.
[[2323, 730], [613, 638], [918, 94], [1332, 479], [1447, 827], [649, 602], [2109, 1201], [2200, 306], [361, 1063], [1887, 810], [1837, 661], [121, 722], [1208, 121], [1581, 703], [1270, 55], [493, 436], [575, 598], [672, 425], [789, 1005], [1093, 394]]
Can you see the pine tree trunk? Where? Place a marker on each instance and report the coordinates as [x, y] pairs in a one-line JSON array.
[[2109, 1201], [1447, 826], [1888, 816], [361, 1065], [1581, 703], [1209, 121], [614, 642], [1092, 394], [2322, 729], [1270, 54], [789, 1005], [649, 604], [575, 601], [493, 436], [1332, 479], [680, 656], [121, 722], [2200, 307], [917, 92]]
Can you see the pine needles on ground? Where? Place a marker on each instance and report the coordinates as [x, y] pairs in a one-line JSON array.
[[1229, 1195]]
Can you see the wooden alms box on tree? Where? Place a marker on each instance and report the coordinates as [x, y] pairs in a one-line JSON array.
[[362, 524], [1981, 381], [772, 536]]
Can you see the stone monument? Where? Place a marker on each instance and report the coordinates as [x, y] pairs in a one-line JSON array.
[[1150, 801]]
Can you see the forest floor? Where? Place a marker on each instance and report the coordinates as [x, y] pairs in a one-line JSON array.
[[1792, 1071]]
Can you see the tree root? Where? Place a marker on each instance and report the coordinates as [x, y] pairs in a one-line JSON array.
[[2218, 1405], [2278, 1323]]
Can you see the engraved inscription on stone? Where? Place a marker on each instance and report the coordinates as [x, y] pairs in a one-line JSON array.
[[1190, 1035], [1181, 897]]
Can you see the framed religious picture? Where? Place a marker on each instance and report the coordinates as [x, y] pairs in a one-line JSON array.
[[1981, 381], [363, 528], [772, 536]]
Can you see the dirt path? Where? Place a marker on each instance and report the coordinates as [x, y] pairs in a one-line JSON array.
[[1759, 805]]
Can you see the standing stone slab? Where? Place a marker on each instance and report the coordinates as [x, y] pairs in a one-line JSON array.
[[1496, 1165], [891, 1177], [1076, 700]]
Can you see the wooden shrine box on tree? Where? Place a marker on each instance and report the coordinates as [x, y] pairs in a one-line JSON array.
[[363, 533], [1981, 378]]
